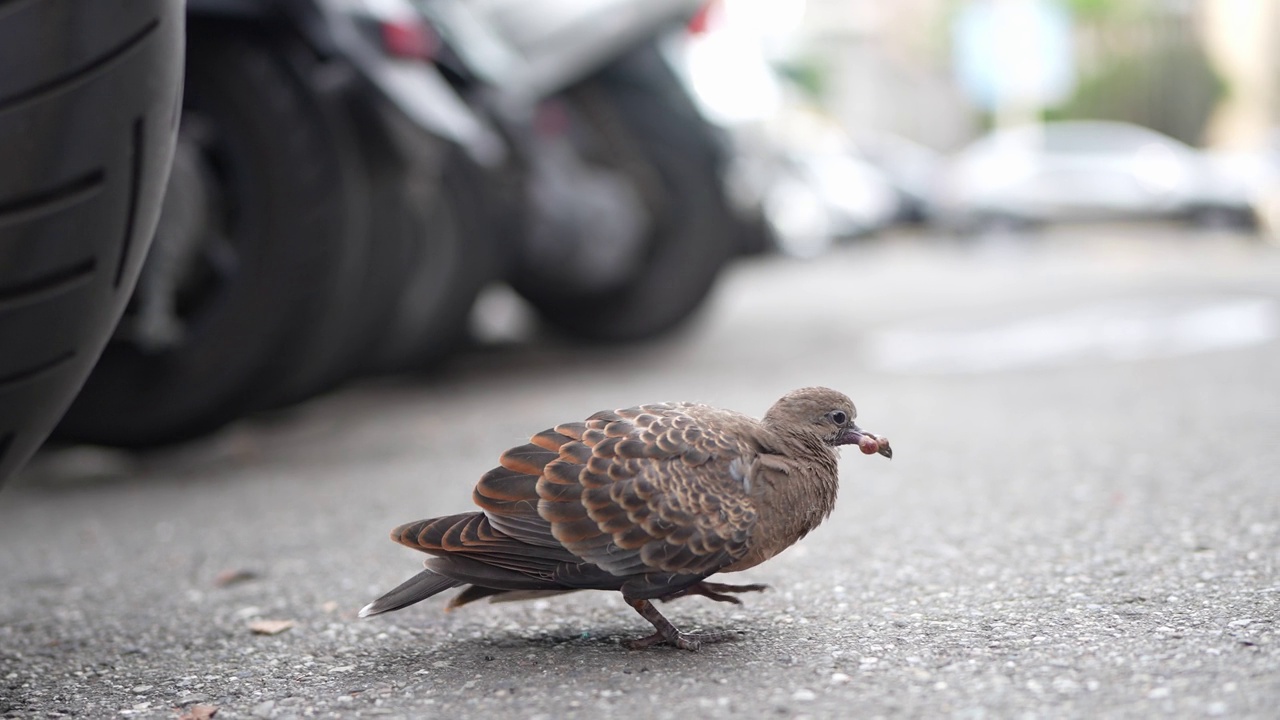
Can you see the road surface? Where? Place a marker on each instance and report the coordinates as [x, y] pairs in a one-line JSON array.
[[1081, 519]]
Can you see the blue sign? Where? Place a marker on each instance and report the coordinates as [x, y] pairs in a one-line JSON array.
[[1014, 52]]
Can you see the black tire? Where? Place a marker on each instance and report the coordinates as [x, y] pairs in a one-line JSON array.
[[1223, 217], [652, 132], [992, 224], [89, 97], [276, 261], [354, 273], [453, 253], [392, 250]]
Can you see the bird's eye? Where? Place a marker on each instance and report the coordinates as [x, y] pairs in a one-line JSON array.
[[838, 417]]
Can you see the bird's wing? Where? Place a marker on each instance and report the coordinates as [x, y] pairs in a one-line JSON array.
[[471, 535], [650, 489]]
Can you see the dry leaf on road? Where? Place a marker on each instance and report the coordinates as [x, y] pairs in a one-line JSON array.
[[270, 627], [233, 576], [199, 712]]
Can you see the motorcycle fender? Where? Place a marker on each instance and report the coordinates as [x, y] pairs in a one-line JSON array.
[[432, 104]]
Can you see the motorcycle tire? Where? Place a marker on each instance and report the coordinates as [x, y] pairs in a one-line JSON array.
[[675, 160], [356, 269], [453, 254], [391, 253], [89, 98], [275, 256]]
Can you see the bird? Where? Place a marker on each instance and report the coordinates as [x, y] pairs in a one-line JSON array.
[[648, 501]]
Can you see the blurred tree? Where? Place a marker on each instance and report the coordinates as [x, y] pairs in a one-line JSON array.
[[807, 74], [1107, 11], [1142, 62], [1172, 89]]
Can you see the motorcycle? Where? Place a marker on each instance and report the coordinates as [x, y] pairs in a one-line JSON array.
[[349, 174], [615, 185], [301, 215]]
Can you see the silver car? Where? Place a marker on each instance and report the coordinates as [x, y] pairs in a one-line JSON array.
[[1085, 170]]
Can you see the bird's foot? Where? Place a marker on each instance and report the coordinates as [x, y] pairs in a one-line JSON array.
[[665, 632], [715, 591], [682, 640]]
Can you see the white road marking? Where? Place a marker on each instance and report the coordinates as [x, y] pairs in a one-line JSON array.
[[1119, 331]]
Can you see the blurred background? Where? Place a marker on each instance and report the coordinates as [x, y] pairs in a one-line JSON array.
[[372, 187]]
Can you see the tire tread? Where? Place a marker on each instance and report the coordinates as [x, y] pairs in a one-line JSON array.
[[74, 78], [78, 76]]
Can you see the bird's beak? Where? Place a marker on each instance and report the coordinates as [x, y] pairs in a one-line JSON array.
[[868, 443]]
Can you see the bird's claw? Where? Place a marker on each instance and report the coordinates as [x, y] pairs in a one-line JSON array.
[[682, 640], [715, 591], [727, 588]]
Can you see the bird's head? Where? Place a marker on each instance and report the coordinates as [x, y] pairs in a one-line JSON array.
[[829, 415]]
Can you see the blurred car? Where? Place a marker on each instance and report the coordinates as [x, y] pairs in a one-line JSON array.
[[1255, 173], [1086, 170], [847, 196], [910, 168], [1267, 205]]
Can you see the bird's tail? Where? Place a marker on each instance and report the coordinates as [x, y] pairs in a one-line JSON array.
[[415, 589]]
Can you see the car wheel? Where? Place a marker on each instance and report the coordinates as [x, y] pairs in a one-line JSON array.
[[992, 224], [1222, 217]]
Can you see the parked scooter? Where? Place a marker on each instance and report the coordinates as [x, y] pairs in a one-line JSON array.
[[615, 192], [302, 210], [350, 173]]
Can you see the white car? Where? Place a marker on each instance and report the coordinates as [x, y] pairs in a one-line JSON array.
[[1086, 170]]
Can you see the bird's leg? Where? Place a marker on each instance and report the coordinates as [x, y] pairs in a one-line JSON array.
[[715, 591], [666, 632]]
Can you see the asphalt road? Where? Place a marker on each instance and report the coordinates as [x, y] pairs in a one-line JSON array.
[[1081, 519]]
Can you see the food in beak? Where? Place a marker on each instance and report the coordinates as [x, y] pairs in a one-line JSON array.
[[870, 445]]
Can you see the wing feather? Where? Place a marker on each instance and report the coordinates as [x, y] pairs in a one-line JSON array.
[[650, 496]]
